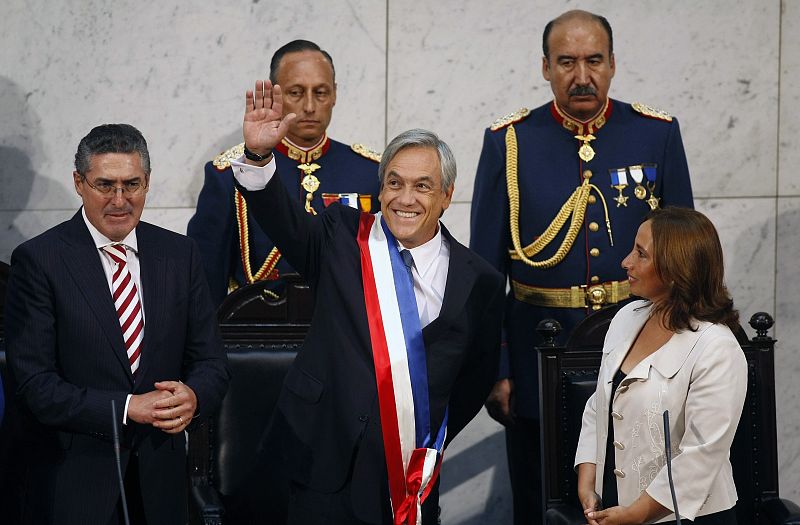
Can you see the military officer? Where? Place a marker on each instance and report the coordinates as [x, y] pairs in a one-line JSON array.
[[316, 168], [559, 194]]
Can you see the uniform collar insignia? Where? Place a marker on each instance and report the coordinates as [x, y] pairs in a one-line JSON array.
[[301, 155], [578, 127]]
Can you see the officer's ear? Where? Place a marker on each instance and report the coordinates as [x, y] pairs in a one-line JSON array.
[[613, 63], [546, 68], [77, 179], [333, 103]]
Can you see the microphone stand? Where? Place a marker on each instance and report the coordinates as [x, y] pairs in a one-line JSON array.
[[119, 463], [668, 453]]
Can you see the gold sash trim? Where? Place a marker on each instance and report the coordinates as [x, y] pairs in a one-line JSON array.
[[594, 296]]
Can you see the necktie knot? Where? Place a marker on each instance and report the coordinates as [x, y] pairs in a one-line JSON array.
[[408, 259], [117, 252]]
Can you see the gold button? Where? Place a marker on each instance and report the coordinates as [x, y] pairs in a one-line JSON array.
[[617, 416], [595, 279], [619, 446], [587, 174], [619, 473], [592, 199], [593, 226], [594, 252]]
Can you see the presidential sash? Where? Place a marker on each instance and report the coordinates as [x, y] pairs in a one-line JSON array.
[[413, 456]]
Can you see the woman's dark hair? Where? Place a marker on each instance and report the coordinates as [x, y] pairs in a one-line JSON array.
[[688, 259]]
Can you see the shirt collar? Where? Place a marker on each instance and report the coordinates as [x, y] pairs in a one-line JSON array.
[[425, 254], [101, 240]]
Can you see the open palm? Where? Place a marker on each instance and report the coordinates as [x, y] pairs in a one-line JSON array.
[[264, 124]]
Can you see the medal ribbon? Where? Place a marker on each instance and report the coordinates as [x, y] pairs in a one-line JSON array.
[[400, 371]]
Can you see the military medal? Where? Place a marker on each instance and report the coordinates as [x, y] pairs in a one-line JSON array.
[[586, 152], [637, 175], [310, 183], [650, 173], [619, 181]]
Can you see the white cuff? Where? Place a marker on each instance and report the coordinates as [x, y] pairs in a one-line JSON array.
[[253, 178], [125, 413]]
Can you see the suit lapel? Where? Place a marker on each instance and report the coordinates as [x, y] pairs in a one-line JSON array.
[[82, 261], [460, 281], [152, 266]]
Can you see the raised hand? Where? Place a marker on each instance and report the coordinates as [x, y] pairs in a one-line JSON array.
[[264, 124]]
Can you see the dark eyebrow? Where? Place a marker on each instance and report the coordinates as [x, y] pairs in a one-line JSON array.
[[599, 56], [102, 180]]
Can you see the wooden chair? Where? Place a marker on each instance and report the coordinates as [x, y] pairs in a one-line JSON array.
[[568, 376], [262, 336], [5, 270]]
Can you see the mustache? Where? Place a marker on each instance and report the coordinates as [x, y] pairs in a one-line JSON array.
[[582, 91], [124, 209]]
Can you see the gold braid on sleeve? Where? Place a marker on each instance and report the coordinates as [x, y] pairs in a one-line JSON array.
[[244, 248], [575, 207]]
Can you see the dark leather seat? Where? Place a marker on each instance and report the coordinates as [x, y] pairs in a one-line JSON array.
[[5, 269], [262, 336], [568, 378], [7, 457]]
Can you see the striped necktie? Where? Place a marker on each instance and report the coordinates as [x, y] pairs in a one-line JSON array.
[[126, 302]]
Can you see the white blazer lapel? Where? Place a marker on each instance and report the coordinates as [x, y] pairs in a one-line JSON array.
[[670, 357], [619, 342]]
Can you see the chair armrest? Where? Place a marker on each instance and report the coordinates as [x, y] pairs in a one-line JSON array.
[[781, 512], [561, 514], [208, 503]]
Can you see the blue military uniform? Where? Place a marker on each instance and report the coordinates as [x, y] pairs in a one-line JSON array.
[[538, 172], [234, 248]]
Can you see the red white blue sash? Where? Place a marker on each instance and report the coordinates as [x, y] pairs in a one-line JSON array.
[[413, 456]]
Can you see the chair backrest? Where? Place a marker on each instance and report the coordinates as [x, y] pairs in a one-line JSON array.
[[262, 336], [568, 376], [5, 270]]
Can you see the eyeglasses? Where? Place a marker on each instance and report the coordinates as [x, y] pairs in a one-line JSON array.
[[129, 188]]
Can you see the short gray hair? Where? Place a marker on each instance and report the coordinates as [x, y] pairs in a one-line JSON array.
[[111, 138], [421, 138]]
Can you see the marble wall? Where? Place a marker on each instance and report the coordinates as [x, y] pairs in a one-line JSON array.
[[729, 70]]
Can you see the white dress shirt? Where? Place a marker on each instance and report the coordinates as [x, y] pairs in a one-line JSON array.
[[431, 259], [109, 267]]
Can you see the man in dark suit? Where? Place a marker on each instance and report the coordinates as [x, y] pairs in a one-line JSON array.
[[401, 307], [316, 170], [106, 309]]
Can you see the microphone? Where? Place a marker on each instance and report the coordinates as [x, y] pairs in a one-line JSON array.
[[668, 453], [119, 463]]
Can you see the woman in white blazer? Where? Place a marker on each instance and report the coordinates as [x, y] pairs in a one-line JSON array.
[[673, 351]]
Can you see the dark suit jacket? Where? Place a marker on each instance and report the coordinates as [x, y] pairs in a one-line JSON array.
[[327, 424], [68, 360]]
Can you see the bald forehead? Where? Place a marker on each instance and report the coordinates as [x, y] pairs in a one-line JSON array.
[[575, 21]]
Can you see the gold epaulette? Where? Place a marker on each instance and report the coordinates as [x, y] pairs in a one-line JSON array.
[[511, 118], [366, 152], [223, 160], [651, 112]]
